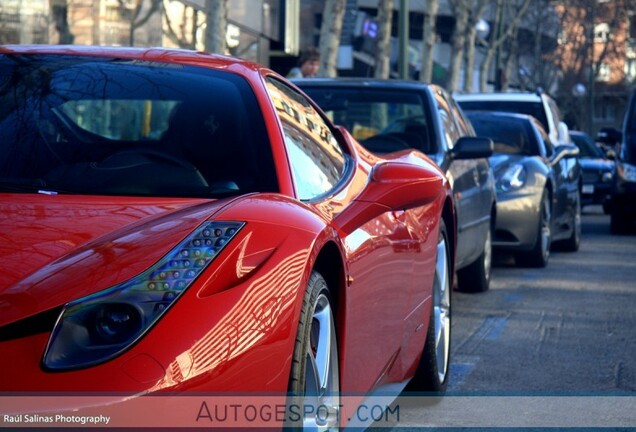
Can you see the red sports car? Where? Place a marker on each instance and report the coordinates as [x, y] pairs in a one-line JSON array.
[[175, 221]]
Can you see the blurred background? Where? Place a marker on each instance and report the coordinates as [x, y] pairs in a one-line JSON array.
[[582, 52]]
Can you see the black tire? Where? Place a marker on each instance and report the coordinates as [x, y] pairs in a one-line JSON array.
[[539, 255], [475, 277], [316, 332], [572, 243], [432, 371]]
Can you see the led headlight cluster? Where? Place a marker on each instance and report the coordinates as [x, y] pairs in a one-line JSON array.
[[96, 328], [513, 178]]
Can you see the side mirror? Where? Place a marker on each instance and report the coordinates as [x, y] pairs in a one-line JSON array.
[[564, 151], [472, 148], [401, 185], [394, 185]]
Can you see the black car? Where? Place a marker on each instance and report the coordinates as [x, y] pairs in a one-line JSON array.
[[388, 116], [597, 169], [538, 189], [622, 202]]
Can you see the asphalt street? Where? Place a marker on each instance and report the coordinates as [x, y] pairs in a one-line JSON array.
[[552, 347]]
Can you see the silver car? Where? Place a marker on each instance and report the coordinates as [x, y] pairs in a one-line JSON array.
[[538, 187]]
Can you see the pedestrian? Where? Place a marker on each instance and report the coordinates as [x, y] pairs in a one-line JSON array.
[[308, 64]]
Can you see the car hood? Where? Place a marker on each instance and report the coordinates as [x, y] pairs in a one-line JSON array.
[[59, 248], [596, 164]]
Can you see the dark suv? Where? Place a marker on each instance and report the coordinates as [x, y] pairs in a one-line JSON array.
[[622, 202]]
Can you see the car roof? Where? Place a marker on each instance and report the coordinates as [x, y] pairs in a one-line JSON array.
[[512, 96], [360, 82], [166, 55]]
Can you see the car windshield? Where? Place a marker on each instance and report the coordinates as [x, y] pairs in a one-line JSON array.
[[510, 135], [109, 126], [587, 147], [535, 109], [382, 120]]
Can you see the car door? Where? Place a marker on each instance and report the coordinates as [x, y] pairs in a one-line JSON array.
[[467, 187], [379, 252]]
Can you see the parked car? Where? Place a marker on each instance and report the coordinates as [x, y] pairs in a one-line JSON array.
[[538, 199], [597, 169], [177, 221], [390, 115], [622, 202], [537, 104]]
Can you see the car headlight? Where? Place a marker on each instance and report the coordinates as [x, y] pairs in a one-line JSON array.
[[626, 171], [98, 327], [606, 177], [513, 178]]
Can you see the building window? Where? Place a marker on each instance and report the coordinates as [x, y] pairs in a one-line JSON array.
[[602, 33], [630, 69], [605, 112], [604, 73]]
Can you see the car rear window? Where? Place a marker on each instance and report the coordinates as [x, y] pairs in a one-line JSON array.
[[535, 109], [510, 135], [112, 126]]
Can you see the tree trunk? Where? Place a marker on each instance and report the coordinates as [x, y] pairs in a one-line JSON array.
[[59, 11], [383, 42], [138, 19], [216, 18], [460, 10], [330, 30], [498, 38], [512, 59], [429, 37], [471, 37]]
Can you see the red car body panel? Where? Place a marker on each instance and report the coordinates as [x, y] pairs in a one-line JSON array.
[[234, 329]]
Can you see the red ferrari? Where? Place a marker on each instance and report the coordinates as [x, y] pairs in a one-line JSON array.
[[180, 222]]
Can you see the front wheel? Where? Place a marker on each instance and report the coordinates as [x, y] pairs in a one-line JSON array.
[[572, 243], [432, 371], [476, 276], [315, 377], [539, 255]]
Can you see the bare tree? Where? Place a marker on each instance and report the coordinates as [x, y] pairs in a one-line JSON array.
[[138, 19], [429, 37], [330, 30], [184, 33], [59, 12], [511, 16], [474, 15], [216, 26], [512, 58], [591, 50], [460, 10], [383, 41]]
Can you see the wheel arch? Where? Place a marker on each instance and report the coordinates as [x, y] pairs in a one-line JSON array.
[[450, 219], [329, 263]]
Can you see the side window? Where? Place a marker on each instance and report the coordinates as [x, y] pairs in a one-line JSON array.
[[451, 131], [465, 127], [317, 161]]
